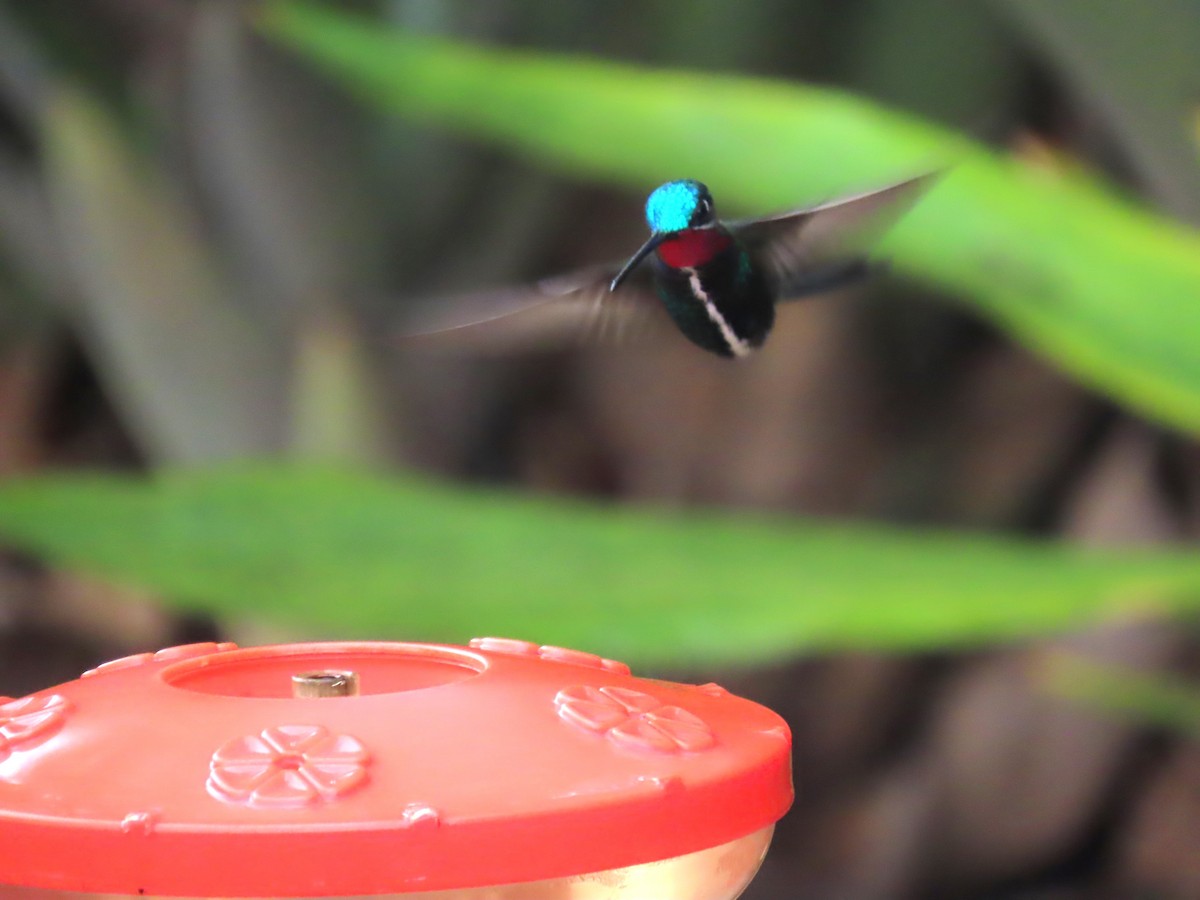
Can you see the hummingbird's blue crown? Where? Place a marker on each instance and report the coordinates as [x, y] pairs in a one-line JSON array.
[[677, 205]]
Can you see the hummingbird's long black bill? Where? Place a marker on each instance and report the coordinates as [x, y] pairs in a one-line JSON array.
[[643, 251]]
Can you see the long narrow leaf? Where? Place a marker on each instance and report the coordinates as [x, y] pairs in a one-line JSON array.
[[345, 554], [1150, 699], [196, 378], [1110, 291]]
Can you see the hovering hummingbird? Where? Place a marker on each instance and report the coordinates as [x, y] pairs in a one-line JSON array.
[[718, 282]]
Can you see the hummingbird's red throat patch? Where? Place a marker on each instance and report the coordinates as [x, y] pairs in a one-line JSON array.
[[692, 248]]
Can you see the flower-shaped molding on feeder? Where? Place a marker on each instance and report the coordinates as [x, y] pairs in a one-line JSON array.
[[199, 771]]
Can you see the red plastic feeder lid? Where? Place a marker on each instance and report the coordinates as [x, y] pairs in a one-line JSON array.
[[198, 771]]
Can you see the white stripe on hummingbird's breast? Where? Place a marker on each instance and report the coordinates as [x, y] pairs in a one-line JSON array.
[[738, 346]]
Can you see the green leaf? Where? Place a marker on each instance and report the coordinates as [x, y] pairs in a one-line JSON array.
[[198, 379], [1148, 698], [340, 553], [1110, 291]]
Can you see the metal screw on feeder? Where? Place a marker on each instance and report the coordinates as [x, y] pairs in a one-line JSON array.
[[500, 771], [325, 684]]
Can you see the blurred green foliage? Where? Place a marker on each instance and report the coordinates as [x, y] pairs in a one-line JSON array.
[[197, 376], [1150, 699], [1112, 292], [354, 555], [215, 350]]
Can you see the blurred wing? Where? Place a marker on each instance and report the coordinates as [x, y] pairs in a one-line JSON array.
[[574, 307], [793, 245]]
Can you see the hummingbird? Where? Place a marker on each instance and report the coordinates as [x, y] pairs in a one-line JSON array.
[[718, 282]]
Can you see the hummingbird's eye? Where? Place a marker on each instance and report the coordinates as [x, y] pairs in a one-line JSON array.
[[703, 210]]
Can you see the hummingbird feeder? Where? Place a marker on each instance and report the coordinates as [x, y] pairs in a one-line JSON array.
[[499, 771]]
